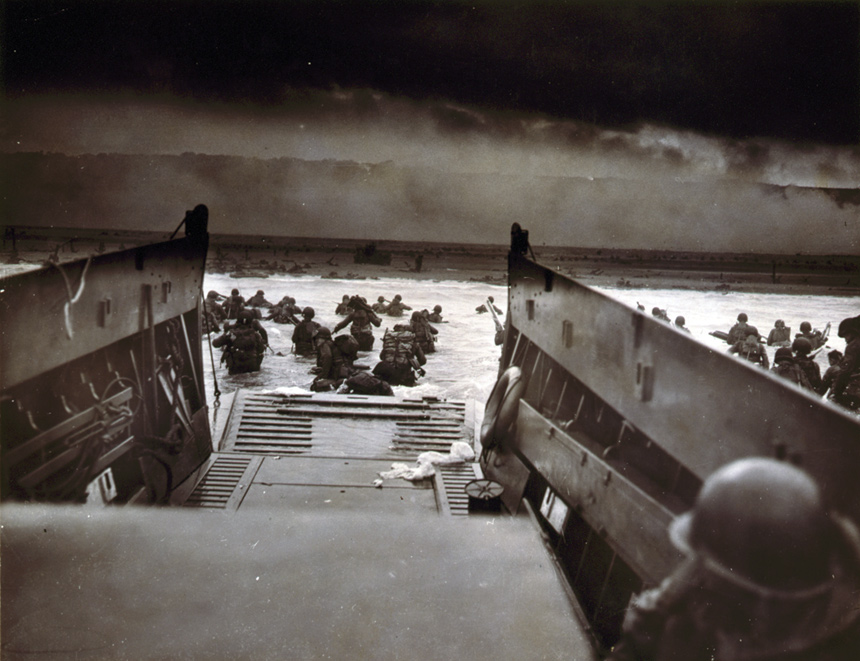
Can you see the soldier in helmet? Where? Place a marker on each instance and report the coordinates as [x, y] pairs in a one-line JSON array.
[[303, 335], [751, 349], [343, 307], [381, 305], [213, 313], [233, 304], [786, 366], [424, 332], [331, 369], [660, 313], [780, 335], [739, 331], [243, 345], [397, 307], [815, 337], [258, 300], [846, 384], [363, 319], [436, 315], [802, 348], [679, 324], [834, 358], [482, 308], [779, 580]]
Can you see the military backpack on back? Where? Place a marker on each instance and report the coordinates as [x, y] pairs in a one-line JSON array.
[[348, 346], [245, 347], [397, 347]]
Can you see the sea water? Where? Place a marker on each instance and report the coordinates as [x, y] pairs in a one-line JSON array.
[[465, 364]]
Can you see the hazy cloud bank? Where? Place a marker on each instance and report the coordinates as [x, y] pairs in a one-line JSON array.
[[370, 127], [334, 199]]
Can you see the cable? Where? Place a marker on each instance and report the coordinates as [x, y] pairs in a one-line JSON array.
[[217, 401]]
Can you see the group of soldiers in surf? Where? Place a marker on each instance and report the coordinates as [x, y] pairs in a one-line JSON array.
[[794, 359], [661, 314], [401, 360]]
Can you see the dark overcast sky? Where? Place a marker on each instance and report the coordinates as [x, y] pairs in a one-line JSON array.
[[783, 70]]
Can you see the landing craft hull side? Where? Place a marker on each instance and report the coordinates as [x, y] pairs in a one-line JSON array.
[[113, 304], [102, 369], [623, 417]]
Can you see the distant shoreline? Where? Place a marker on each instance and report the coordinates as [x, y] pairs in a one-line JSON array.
[[263, 256]]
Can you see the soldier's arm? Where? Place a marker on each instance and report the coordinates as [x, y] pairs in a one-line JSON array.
[[343, 323]]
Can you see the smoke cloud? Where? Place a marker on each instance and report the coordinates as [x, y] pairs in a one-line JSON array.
[[361, 164]]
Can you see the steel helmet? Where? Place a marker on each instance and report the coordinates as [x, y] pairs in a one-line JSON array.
[[761, 524], [848, 326], [779, 323], [743, 316], [245, 315], [805, 326], [802, 345], [308, 312], [437, 308], [234, 292], [323, 332], [783, 353], [680, 320]]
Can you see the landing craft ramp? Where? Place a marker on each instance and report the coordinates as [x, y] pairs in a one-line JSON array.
[[329, 449], [284, 549]]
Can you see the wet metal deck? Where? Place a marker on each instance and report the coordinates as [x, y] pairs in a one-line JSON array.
[[326, 451]]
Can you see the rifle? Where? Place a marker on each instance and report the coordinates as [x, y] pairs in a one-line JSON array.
[[499, 326]]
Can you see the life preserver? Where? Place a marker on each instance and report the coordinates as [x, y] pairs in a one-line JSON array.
[[501, 409]]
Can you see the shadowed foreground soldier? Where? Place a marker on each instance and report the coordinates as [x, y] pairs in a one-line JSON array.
[[802, 348], [785, 366], [846, 383], [769, 575]]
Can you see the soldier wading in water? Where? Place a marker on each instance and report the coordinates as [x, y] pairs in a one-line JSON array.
[[243, 345]]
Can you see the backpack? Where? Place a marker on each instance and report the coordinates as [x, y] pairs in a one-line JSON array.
[[791, 372], [348, 346], [397, 347], [365, 383], [244, 349]]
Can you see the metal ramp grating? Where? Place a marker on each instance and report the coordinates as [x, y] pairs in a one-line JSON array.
[[325, 425], [224, 483], [451, 484]]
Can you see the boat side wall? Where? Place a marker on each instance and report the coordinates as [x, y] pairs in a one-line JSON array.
[[59, 313], [704, 408]]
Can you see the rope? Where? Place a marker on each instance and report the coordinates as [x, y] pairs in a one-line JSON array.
[[67, 308], [217, 401]]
